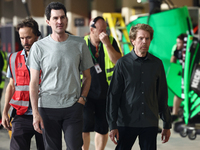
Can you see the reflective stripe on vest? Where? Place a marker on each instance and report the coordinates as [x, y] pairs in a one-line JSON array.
[[19, 103], [21, 78], [22, 88], [12, 66], [109, 66]]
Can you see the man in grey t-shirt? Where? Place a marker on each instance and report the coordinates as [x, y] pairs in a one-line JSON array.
[[61, 58]]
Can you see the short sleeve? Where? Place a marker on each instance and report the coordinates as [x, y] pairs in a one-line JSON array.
[[86, 60], [8, 75], [173, 49], [115, 45], [33, 60]]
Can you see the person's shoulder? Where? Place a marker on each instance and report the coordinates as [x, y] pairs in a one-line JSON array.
[[41, 43], [77, 39], [125, 59], [43, 40], [17, 52], [14, 53], [154, 58], [151, 56]]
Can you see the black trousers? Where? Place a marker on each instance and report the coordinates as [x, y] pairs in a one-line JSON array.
[[69, 120], [22, 132], [147, 138]]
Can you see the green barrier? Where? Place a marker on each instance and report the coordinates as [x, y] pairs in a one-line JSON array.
[[187, 76], [192, 99], [174, 78]]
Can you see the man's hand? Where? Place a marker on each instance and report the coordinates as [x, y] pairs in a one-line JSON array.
[[114, 133], [104, 38], [81, 101], [6, 122], [165, 135], [112, 53], [37, 123]]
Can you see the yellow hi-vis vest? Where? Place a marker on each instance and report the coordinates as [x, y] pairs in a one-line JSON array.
[[109, 66], [4, 55]]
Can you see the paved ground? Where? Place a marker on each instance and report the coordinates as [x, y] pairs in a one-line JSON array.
[[176, 142]]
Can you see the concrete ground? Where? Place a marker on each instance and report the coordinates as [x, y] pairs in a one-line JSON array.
[[176, 142]]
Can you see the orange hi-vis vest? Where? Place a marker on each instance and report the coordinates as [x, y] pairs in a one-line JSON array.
[[21, 77]]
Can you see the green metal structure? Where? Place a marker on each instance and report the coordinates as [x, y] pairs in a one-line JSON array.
[[191, 99]]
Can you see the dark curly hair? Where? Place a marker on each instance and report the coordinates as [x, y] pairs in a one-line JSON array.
[[30, 22], [56, 6]]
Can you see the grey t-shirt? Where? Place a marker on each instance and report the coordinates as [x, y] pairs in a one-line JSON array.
[[61, 64]]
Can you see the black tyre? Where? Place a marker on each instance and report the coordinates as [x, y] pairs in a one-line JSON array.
[[183, 133], [192, 136]]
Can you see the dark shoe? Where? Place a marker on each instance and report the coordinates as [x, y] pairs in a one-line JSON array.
[[174, 118], [159, 129]]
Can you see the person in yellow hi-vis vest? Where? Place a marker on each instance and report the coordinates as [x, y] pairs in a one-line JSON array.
[[2, 83], [105, 53]]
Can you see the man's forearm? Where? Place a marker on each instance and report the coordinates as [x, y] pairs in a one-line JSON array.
[[8, 95], [85, 85], [113, 54], [33, 89], [34, 97]]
